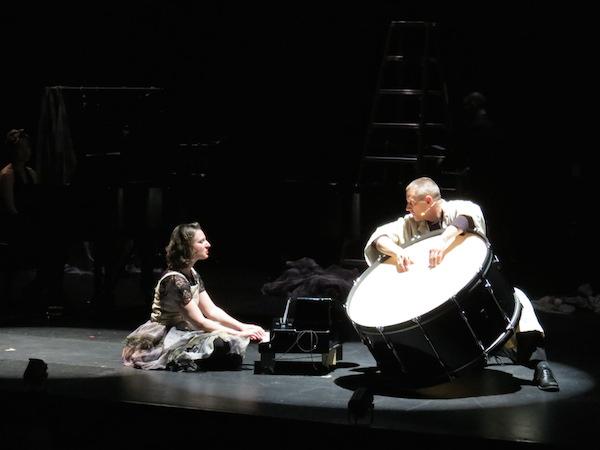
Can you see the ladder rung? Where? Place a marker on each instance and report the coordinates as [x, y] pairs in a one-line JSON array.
[[397, 57], [396, 159], [455, 172], [412, 23], [400, 159], [390, 91], [406, 125]]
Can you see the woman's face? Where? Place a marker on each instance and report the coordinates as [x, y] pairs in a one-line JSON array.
[[200, 246]]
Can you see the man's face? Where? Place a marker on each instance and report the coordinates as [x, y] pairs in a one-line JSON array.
[[416, 206]]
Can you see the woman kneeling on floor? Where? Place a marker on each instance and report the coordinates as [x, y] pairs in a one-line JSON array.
[[186, 330]]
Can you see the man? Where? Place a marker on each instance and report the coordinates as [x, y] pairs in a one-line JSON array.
[[428, 212]]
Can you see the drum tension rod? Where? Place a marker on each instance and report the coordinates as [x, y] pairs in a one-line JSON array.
[[490, 289], [463, 315], [437, 355], [392, 349]]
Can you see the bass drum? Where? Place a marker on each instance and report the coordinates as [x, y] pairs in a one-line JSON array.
[[430, 324]]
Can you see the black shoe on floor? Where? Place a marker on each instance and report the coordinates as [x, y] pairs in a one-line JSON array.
[[544, 378]]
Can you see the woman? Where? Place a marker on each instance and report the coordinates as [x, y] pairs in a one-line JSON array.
[[19, 217], [17, 181], [186, 330]]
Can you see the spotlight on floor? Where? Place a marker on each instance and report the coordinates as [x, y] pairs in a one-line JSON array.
[[360, 406]]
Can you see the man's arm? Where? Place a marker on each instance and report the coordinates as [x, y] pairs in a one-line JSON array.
[[459, 226], [387, 246]]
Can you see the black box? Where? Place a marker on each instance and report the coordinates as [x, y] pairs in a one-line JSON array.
[[309, 313]]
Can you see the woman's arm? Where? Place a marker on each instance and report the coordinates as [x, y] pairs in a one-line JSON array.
[[7, 197], [194, 315], [213, 312]]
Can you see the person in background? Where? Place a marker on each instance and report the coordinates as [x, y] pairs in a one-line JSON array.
[[34, 228], [17, 178], [19, 215]]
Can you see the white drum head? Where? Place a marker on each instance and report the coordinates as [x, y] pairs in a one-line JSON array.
[[382, 296]]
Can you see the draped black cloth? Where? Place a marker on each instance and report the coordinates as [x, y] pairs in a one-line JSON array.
[[305, 278], [55, 159]]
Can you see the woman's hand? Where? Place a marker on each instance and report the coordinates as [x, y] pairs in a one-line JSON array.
[[254, 332]]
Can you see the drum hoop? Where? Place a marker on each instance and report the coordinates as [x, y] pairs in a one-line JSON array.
[[429, 315], [510, 328]]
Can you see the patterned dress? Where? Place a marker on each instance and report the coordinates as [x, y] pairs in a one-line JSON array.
[[167, 340]]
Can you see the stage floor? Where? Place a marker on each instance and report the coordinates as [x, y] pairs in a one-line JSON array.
[[92, 400]]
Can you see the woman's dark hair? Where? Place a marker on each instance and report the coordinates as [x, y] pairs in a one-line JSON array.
[[179, 249], [15, 139]]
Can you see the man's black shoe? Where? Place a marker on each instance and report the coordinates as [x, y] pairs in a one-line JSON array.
[[544, 379]]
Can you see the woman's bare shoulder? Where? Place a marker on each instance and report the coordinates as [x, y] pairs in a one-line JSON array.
[[7, 174], [7, 171]]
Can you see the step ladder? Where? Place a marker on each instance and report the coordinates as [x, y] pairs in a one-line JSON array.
[[408, 131]]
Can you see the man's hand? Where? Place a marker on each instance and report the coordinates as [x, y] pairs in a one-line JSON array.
[[402, 262], [436, 253]]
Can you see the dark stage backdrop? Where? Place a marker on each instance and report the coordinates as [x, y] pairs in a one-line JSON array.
[[275, 92]]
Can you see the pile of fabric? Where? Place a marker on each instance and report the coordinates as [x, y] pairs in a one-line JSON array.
[[305, 278], [585, 300]]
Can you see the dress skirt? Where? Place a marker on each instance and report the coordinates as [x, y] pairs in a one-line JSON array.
[[156, 346]]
